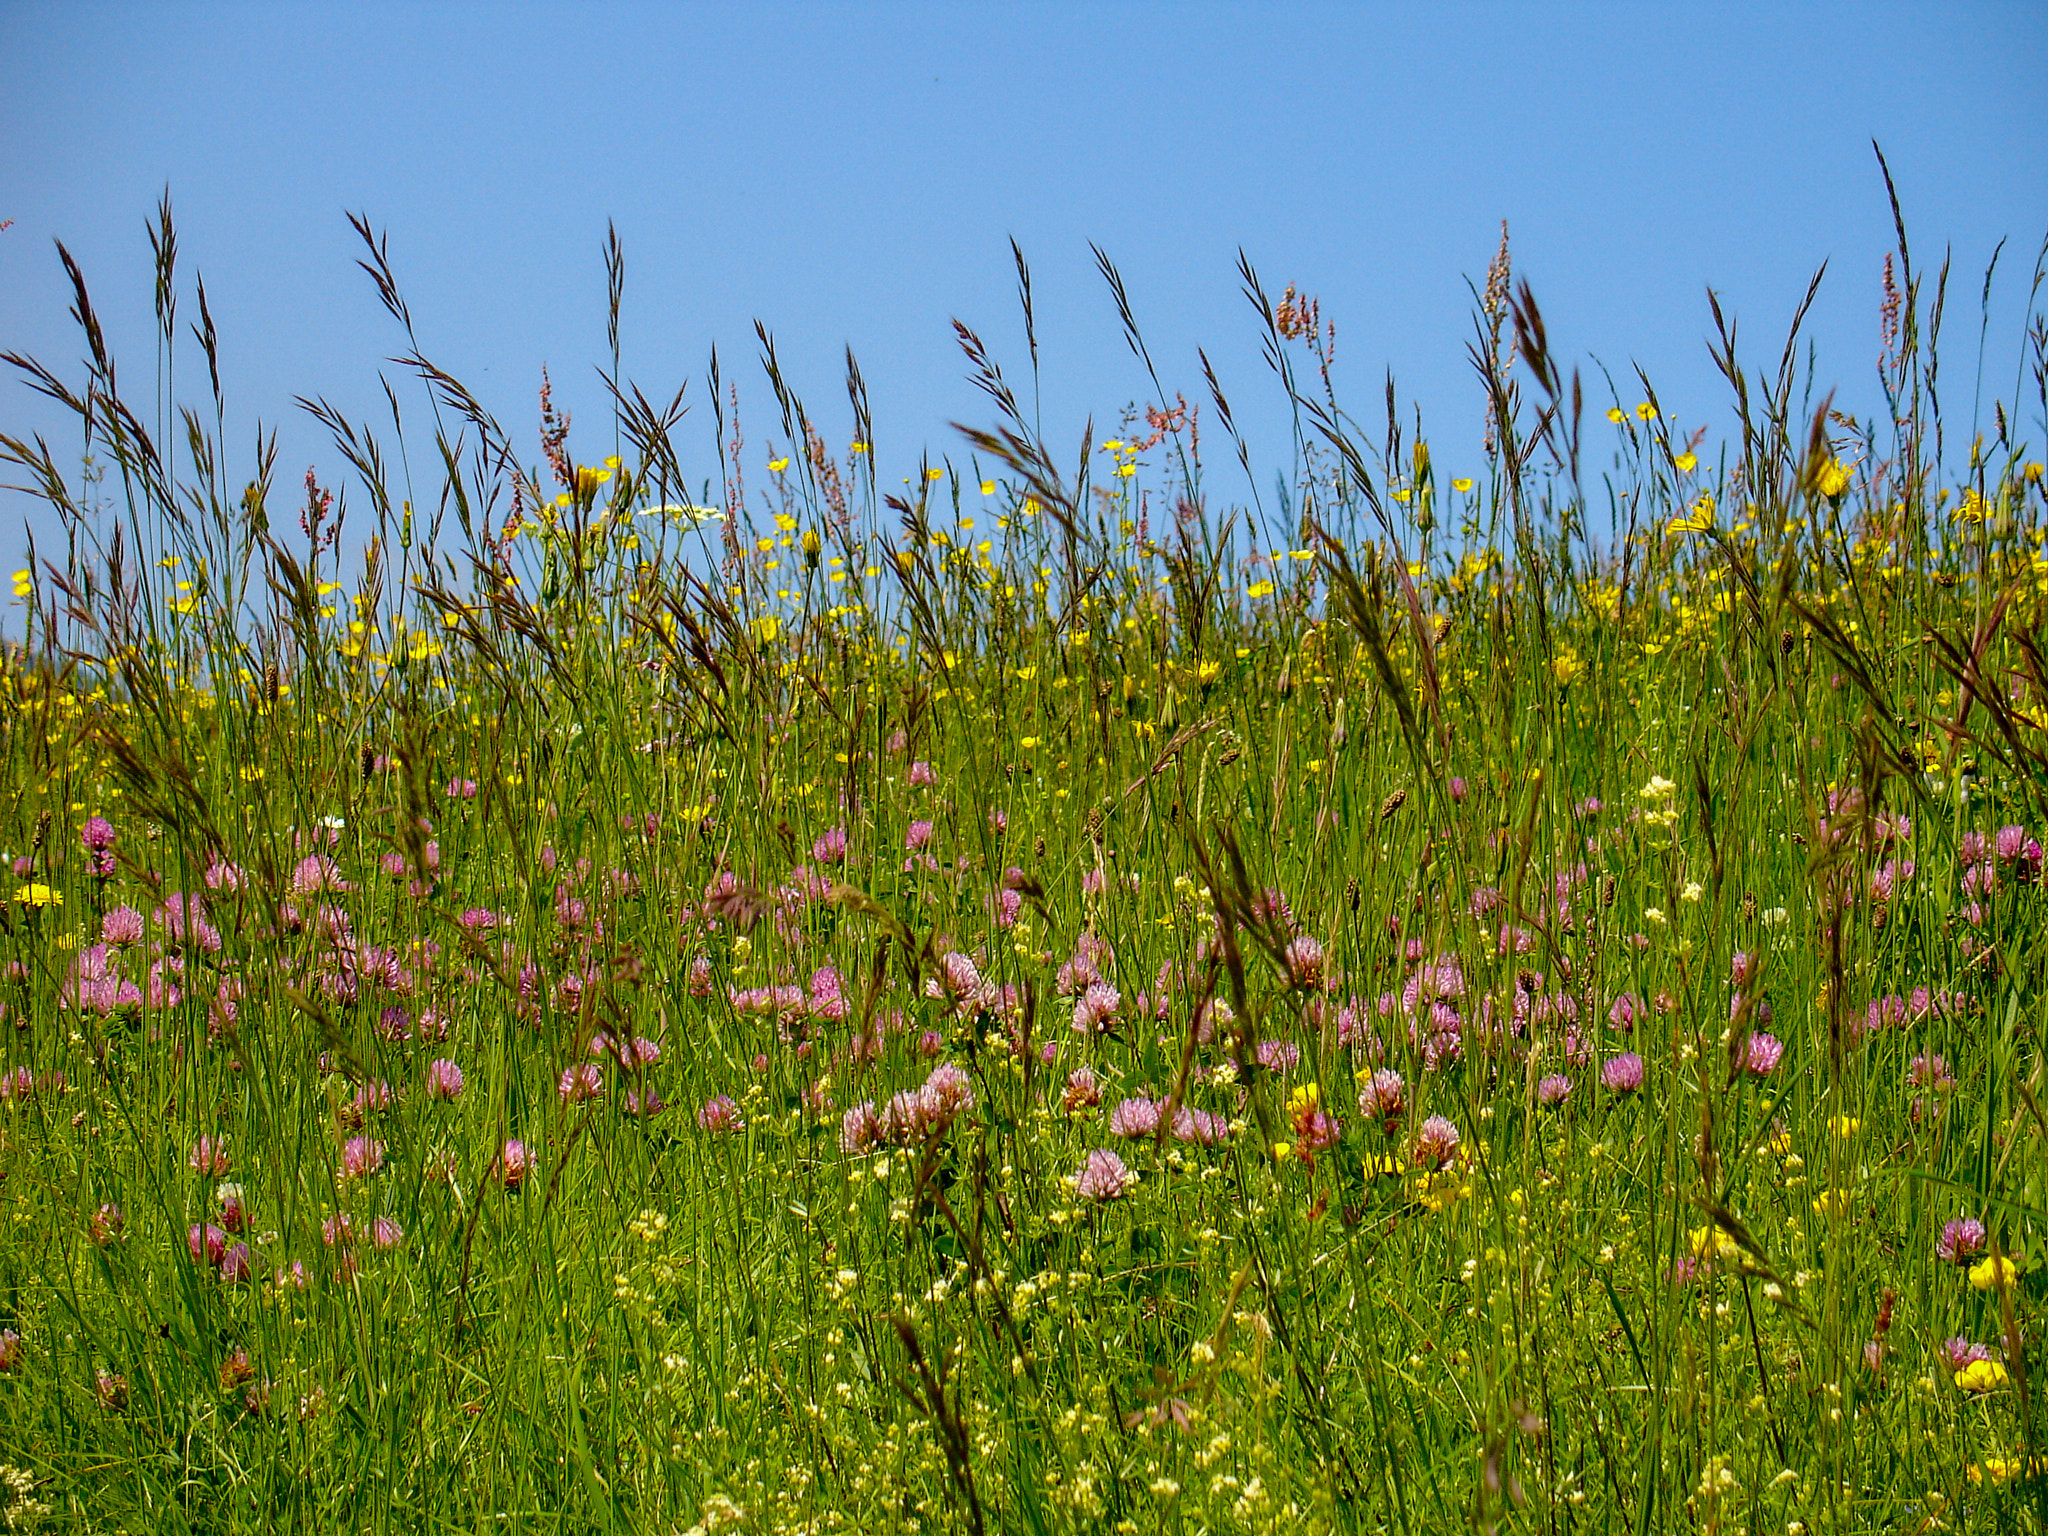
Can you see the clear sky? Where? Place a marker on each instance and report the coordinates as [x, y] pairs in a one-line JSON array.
[[852, 175]]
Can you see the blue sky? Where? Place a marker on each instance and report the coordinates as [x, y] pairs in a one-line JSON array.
[[852, 175]]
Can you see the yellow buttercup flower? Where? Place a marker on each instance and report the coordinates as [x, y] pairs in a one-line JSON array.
[[36, 894]]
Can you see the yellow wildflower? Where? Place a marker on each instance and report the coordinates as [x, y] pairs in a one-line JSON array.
[[1710, 1242], [1981, 1376], [1442, 1190], [2003, 1469], [1699, 518], [1999, 1272]]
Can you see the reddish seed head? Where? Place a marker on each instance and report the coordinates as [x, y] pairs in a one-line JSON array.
[[107, 1225]]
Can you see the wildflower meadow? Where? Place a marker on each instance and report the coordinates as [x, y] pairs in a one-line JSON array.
[[567, 982]]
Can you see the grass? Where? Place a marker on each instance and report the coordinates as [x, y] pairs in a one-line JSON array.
[[1039, 1001]]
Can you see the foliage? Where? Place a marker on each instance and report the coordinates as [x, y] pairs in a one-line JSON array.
[[1032, 1001]]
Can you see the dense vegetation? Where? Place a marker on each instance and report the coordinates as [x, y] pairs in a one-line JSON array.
[[1042, 999]]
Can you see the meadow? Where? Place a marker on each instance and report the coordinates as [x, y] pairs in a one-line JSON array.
[[555, 983]]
